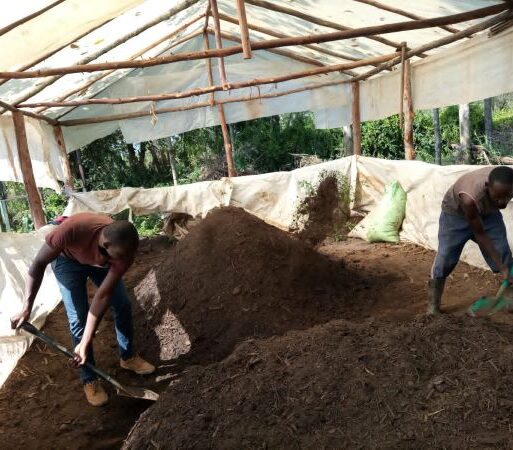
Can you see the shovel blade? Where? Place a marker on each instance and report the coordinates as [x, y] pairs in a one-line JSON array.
[[487, 306], [137, 392]]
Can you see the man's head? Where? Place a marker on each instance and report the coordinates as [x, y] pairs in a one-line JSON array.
[[119, 240], [500, 186]]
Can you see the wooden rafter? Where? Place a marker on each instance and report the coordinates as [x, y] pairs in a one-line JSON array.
[[485, 24], [25, 19], [243, 24], [272, 43], [134, 115], [11, 108], [184, 4], [269, 32], [219, 42], [402, 12], [180, 41], [140, 53], [286, 53], [235, 85], [58, 49], [312, 19]]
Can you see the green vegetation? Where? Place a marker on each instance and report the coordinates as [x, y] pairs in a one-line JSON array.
[[262, 145]]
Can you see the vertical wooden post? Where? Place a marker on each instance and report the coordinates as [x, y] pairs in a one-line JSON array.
[[438, 137], [227, 141], [401, 102], [63, 156], [244, 32], [219, 42], [35, 203], [488, 105], [463, 156], [409, 149], [357, 127]]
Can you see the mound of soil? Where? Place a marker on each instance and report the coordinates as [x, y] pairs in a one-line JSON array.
[[431, 383], [232, 277], [325, 213]]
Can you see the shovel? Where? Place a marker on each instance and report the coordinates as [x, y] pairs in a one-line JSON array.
[[488, 306], [127, 391]]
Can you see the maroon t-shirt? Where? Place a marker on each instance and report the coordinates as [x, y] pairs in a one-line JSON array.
[[78, 238]]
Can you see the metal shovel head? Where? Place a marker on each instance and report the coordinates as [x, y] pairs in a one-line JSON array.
[[488, 306], [137, 392]]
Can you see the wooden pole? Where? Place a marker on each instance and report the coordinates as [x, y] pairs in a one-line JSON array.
[[184, 4], [28, 113], [401, 102], [219, 42], [34, 198], [197, 105], [227, 141], [357, 127], [401, 12], [276, 43], [63, 156], [438, 137], [25, 19], [93, 80], [243, 24], [286, 53], [409, 149], [207, 90], [228, 149], [325, 23], [435, 44], [316, 48]]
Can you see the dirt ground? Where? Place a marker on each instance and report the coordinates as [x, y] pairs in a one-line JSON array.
[[42, 404]]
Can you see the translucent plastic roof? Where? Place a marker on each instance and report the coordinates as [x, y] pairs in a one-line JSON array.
[[73, 32]]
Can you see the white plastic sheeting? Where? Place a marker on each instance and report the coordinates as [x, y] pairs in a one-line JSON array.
[[43, 150], [274, 196], [455, 73], [16, 254]]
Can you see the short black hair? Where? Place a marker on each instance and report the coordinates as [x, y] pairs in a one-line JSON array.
[[501, 174], [122, 233]]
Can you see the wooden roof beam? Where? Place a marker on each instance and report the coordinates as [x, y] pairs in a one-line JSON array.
[[318, 21], [316, 48], [403, 13], [235, 85], [265, 45], [140, 53], [25, 19], [184, 4], [485, 24]]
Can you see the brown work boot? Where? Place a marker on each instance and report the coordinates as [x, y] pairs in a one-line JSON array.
[[95, 393], [138, 365]]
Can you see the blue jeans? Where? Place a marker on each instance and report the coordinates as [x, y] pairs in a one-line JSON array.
[[454, 232], [72, 278]]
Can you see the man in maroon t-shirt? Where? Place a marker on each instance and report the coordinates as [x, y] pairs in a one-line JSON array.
[[90, 246]]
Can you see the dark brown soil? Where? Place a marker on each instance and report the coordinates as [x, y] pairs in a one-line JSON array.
[[233, 277], [430, 383], [324, 211]]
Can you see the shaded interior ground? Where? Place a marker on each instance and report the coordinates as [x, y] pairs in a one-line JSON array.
[[42, 404]]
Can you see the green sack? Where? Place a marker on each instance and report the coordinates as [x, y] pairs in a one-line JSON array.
[[389, 215]]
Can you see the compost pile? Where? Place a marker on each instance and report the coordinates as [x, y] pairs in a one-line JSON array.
[[234, 277], [431, 383]]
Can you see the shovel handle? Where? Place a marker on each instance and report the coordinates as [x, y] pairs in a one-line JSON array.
[[29, 328]]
